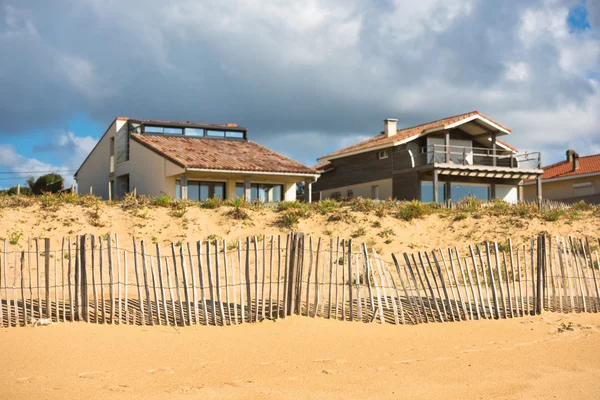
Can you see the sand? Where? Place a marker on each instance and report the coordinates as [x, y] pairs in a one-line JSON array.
[[386, 235], [300, 357]]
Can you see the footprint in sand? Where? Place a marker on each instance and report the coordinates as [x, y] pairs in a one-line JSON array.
[[92, 374], [165, 370], [192, 390], [331, 372], [25, 379], [404, 361], [117, 388]]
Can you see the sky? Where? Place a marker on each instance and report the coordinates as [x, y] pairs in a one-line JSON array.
[[305, 77]]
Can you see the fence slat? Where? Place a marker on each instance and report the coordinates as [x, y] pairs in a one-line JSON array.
[[186, 291], [156, 303], [202, 284], [14, 290], [137, 280], [211, 289], [492, 279], [194, 283], [593, 272], [430, 284], [23, 303], [111, 280], [241, 274], [146, 286], [125, 284], [218, 284], [101, 268], [317, 288], [271, 279], [442, 281], [256, 299], [336, 267], [56, 307], [171, 295], [181, 316], [39, 280], [226, 267], [412, 273], [3, 281], [30, 275], [163, 297], [119, 285], [409, 297], [248, 283], [471, 286], [508, 292], [85, 303], [371, 275], [310, 267], [70, 272], [514, 278], [235, 296], [264, 276]]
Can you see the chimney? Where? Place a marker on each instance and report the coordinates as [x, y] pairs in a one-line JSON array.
[[573, 158], [390, 127]]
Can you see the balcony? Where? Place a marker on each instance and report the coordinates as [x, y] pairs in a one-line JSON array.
[[469, 161]]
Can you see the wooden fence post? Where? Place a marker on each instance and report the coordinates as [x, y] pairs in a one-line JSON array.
[[291, 261], [83, 274], [539, 298]]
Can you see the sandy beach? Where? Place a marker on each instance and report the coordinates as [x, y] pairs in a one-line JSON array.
[[524, 358]]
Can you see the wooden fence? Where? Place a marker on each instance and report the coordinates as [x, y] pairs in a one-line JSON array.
[[94, 279]]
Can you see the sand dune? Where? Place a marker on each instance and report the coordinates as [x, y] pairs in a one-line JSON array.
[[532, 357]]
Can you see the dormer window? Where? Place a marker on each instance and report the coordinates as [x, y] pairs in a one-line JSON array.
[[382, 155]]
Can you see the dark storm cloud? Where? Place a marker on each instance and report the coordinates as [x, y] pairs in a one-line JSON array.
[[327, 70]]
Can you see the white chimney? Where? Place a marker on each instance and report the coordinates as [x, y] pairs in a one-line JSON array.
[[390, 127]]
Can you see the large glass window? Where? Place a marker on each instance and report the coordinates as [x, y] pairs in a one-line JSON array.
[[162, 129], [262, 192], [427, 192], [194, 132], [462, 190], [201, 191], [215, 133]]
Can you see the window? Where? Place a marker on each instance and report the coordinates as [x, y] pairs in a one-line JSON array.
[[350, 193], [122, 186], [122, 146], [162, 129], [194, 132], [336, 196], [232, 134], [461, 190], [215, 133], [200, 191], [583, 189], [382, 155], [427, 192], [262, 192], [375, 192]]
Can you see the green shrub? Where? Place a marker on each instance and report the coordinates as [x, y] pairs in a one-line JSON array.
[[359, 232], [238, 211], [289, 219], [326, 206], [163, 200], [468, 204], [460, 216], [14, 237], [553, 215], [582, 206], [212, 203], [386, 233], [408, 211], [362, 205], [286, 205]]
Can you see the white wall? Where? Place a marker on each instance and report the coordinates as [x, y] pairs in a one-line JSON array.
[[363, 190], [510, 193], [95, 170], [147, 171]]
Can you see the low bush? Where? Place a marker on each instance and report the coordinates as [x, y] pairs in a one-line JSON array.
[[326, 206], [163, 200], [553, 215], [411, 210], [212, 203]]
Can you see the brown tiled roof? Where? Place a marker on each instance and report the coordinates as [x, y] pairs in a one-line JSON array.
[[322, 165], [587, 165], [220, 154], [406, 133]]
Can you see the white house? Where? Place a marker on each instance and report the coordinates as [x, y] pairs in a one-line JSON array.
[[188, 160]]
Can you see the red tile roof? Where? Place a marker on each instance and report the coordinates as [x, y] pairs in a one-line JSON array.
[[406, 133], [587, 165], [322, 165], [220, 154]]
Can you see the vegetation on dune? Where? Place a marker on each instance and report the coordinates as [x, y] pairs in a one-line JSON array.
[[291, 213]]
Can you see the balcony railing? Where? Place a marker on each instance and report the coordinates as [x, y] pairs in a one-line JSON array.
[[465, 156]]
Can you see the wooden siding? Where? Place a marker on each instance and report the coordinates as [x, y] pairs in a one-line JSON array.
[[406, 186], [352, 170]]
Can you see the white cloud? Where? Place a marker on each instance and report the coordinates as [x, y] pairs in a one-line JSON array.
[[23, 167], [517, 71], [593, 7]]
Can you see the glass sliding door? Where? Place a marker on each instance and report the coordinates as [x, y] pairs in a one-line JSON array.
[[200, 191], [427, 192], [461, 190], [262, 192]]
